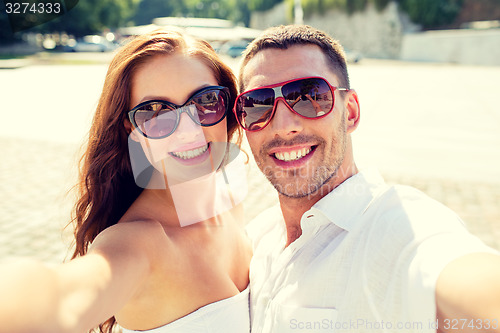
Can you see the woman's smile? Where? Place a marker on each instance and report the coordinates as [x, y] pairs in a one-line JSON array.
[[192, 156]]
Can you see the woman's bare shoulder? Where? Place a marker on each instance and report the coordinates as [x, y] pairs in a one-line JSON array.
[[143, 236]]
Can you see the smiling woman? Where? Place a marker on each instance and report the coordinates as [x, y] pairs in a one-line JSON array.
[[165, 253]]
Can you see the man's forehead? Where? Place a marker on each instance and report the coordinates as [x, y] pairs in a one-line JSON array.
[[273, 65], [255, 70]]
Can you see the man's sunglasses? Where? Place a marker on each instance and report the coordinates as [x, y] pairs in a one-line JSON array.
[[158, 119], [309, 97]]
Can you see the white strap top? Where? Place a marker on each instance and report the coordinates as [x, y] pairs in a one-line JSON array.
[[230, 315]]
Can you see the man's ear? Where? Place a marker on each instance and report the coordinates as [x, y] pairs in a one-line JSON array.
[[130, 130], [351, 104]]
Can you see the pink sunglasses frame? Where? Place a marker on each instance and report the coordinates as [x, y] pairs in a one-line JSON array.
[[279, 94]]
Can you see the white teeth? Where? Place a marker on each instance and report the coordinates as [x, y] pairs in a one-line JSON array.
[[187, 154], [293, 155]]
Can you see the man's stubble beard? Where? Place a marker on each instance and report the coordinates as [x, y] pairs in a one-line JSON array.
[[298, 183]]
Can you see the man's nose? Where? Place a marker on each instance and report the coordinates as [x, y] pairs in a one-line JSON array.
[[285, 122]]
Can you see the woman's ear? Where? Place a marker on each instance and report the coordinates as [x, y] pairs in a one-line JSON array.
[[352, 110], [130, 130]]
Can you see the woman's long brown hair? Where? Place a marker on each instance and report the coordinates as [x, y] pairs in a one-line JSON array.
[[106, 186]]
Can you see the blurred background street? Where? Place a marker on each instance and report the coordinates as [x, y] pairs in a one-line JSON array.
[[427, 125], [428, 91]]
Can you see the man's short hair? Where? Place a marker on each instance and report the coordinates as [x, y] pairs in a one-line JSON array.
[[285, 36]]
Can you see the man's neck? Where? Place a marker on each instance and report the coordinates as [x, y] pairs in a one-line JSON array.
[[293, 208]]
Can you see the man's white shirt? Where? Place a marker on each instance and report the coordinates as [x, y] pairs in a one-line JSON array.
[[367, 261]]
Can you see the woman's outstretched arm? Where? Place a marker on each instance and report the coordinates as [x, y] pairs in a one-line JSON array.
[[78, 295]]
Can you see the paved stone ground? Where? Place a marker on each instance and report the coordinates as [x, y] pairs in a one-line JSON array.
[[35, 206], [476, 203]]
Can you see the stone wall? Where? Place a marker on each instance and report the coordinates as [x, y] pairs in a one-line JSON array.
[[373, 33], [270, 18], [390, 34], [472, 47]]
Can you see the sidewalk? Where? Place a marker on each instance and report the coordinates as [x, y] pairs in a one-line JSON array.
[[58, 58], [34, 206]]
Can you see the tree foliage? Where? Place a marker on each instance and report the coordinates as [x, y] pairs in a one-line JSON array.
[[235, 10], [428, 13], [86, 17], [239, 11], [5, 30], [259, 5], [147, 10], [432, 13], [94, 16]]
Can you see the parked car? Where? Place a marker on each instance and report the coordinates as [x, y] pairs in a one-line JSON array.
[[352, 56], [233, 49], [90, 44]]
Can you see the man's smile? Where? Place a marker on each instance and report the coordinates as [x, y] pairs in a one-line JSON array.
[[292, 157]]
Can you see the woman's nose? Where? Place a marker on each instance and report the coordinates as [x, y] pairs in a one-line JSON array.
[[188, 129]]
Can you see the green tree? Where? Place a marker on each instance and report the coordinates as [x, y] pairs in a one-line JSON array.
[[262, 4], [82, 18], [381, 4], [6, 35], [147, 10], [235, 10], [93, 16], [239, 12], [432, 13], [356, 5], [208, 8], [429, 13]]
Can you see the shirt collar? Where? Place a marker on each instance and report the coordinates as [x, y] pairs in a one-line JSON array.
[[350, 199]]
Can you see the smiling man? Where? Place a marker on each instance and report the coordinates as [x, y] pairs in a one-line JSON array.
[[345, 251]]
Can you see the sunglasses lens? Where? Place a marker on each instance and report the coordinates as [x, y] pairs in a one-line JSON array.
[[156, 119], [211, 106], [310, 98], [159, 119], [254, 108]]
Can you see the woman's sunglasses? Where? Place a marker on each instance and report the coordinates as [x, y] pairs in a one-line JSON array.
[[158, 119], [309, 97]]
